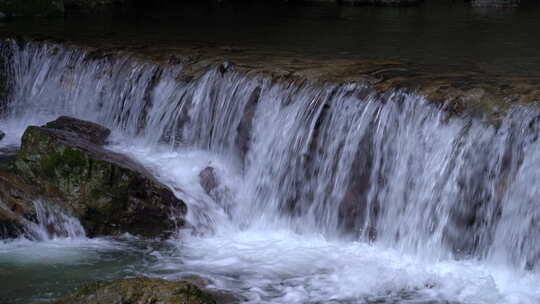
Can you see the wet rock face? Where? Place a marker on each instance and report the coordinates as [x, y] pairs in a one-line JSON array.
[[89, 131], [45, 8], [139, 291], [216, 189], [108, 192], [2, 135], [208, 179], [16, 204]]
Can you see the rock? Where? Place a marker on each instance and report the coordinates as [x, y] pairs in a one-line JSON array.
[[208, 179], [355, 217], [139, 291], [244, 128], [216, 190], [10, 225], [108, 192], [90, 131], [221, 296], [16, 204], [44, 8], [7, 156], [2, 135]]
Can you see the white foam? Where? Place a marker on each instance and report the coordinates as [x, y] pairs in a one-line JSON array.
[[284, 267], [180, 169], [271, 265]]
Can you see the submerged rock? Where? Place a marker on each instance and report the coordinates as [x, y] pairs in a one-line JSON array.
[[108, 192], [216, 189], [139, 291], [45, 8]]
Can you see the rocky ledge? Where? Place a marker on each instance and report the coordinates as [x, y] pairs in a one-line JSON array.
[[139, 291], [64, 163], [460, 91]]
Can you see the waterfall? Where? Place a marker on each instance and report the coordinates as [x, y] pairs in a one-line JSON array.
[[52, 223], [338, 159]]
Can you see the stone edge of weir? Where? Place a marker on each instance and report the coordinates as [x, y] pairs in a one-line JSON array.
[[472, 92]]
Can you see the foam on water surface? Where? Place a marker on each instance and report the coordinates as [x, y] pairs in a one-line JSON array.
[[284, 267]]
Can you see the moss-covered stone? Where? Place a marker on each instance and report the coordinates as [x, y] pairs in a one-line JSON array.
[[46, 8], [110, 193], [139, 291]]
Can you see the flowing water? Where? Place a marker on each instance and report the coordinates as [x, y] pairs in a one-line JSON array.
[[327, 194]]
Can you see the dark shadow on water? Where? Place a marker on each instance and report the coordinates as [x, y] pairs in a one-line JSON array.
[[450, 34]]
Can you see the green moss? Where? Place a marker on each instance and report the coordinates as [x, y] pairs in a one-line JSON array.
[[74, 157], [65, 167]]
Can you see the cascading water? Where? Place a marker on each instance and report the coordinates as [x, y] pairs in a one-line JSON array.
[[52, 223], [333, 193]]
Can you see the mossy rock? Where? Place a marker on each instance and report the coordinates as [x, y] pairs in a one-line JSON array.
[[108, 192], [45, 8], [139, 291]]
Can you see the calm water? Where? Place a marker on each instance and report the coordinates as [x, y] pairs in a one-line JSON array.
[[444, 34], [32, 271]]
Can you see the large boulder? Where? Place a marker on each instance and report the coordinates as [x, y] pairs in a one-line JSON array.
[[45, 8], [139, 291], [108, 192]]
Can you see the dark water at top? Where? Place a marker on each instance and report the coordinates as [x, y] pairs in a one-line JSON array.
[[448, 34]]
